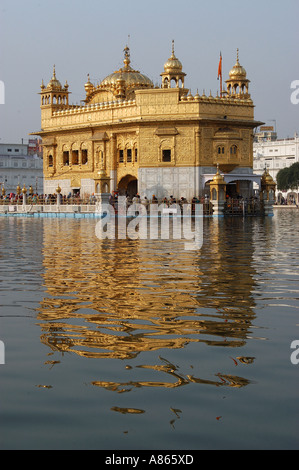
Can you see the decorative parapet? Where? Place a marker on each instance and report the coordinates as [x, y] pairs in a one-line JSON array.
[[76, 109], [94, 107]]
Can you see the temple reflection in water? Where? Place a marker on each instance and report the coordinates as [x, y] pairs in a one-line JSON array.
[[119, 298]]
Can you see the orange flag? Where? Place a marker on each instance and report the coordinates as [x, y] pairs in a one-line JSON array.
[[220, 67]]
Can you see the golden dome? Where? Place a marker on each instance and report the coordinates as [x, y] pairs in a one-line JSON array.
[[54, 83], [237, 72], [267, 178], [88, 85], [173, 64], [218, 178], [132, 78]]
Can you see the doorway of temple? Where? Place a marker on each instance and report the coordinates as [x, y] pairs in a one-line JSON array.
[[128, 186], [76, 192], [231, 190]]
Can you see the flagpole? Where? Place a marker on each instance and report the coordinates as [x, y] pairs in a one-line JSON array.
[[221, 76], [221, 86]]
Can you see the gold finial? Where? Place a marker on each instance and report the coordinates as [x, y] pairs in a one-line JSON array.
[[127, 56], [238, 56], [173, 47], [88, 85], [54, 71]]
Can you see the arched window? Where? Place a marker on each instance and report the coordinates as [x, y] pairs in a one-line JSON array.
[[50, 160], [166, 155], [66, 157], [84, 156], [220, 150], [129, 155], [233, 150], [75, 157]]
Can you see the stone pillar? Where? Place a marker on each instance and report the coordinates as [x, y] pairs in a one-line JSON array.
[[102, 200], [267, 194], [218, 192], [58, 191], [24, 191], [102, 193]]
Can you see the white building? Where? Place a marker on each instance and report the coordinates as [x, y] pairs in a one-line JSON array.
[[17, 167], [276, 155]]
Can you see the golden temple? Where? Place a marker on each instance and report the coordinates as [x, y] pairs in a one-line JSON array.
[[146, 139]]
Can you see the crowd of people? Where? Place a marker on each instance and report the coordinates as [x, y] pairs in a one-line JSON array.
[[48, 199], [44, 199], [165, 202], [290, 201]]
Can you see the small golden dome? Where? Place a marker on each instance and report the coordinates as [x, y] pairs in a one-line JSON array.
[[267, 178], [218, 178], [173, 63], [54, 84], [197, 97], [88, 85], [102, 173], [237, 72]]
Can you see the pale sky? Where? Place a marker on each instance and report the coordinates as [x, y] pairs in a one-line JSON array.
[[89, 36]]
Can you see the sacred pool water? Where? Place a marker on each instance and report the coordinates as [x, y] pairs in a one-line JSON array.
[[142, 344]]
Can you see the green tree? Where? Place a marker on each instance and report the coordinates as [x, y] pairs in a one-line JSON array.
[[288, 178]]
